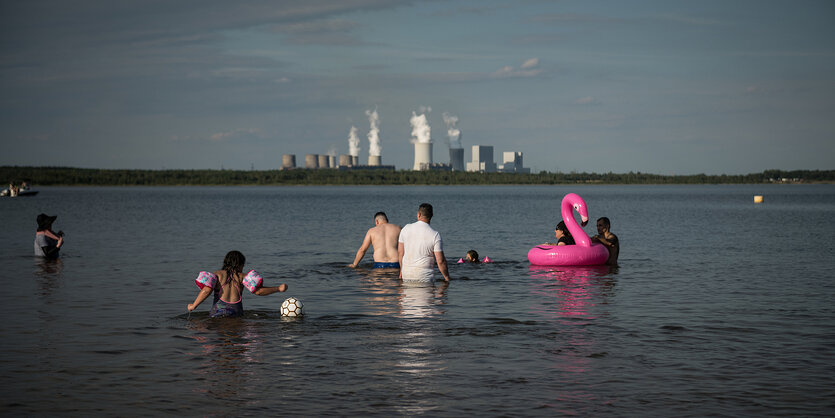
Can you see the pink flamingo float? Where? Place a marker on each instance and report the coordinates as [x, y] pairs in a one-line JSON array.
[[583, 253]]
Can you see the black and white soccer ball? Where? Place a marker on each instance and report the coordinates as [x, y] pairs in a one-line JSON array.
[[292, 307]]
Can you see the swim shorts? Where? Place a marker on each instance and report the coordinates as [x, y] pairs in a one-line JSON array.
[[378, 265]]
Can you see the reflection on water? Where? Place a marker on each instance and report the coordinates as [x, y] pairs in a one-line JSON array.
[[575, 290], [230, 349], [571, 296], [48, 273]]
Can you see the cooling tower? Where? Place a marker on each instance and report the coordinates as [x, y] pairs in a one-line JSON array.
[[311, 161], [375, 160], [423, 155], [355, 160], [324, 161], [345, 160], [332, 161], [288, 161], [456, 159]]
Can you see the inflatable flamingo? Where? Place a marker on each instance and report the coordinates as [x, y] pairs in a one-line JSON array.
[[583, 253]]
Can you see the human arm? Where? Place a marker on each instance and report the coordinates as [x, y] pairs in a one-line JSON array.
[[264, 291], [442, 264], [366, 243], [608, 242], [204, 293], [52, 251], [400, 251]]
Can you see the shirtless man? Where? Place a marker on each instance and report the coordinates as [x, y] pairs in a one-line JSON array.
[[610, 240], [383, 236]]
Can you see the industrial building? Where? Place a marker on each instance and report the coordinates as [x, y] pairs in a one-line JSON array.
[[512, 163], [482, 159]]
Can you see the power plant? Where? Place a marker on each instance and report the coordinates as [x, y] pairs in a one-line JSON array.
[[423, 156], [456, 159], [482, 155]]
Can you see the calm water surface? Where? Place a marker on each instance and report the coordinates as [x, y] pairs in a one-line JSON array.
[[719, 306]]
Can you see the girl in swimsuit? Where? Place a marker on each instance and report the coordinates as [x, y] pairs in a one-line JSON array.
[[228, 284]]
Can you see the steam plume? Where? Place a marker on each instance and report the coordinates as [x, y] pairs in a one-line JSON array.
[[421, 132], [374, 148], [353, 142], [452, 131]]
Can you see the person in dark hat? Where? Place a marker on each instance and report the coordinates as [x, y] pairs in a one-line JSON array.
[[47, 243]]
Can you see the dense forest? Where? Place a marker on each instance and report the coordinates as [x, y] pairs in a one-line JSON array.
[[68, 176]]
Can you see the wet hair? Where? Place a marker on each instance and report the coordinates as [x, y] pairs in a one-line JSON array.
[[233, 263], [473, 255], [425, 210], [605, 221], [381, 215], [561, 226]]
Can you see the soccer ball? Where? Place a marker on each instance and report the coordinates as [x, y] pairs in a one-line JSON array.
[[292, 307]]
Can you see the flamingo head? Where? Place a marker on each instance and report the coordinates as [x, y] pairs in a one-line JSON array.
[[580, 207]]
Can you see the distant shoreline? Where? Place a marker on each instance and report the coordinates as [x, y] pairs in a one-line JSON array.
[[69, 176]]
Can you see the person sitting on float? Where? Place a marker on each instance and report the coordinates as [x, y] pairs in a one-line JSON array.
[[562, 234]]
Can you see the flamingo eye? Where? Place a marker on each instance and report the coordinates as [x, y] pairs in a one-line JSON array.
[[576, 206]]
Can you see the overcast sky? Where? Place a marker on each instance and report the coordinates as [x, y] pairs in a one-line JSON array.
[[667, 87]]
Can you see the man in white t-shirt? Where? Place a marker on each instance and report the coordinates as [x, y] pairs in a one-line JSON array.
[[419, 247]]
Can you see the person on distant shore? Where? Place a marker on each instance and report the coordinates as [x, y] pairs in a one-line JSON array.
[[607, 238], [47, 242], [562, 234], [419, 247], [228, 284], [383, 237]]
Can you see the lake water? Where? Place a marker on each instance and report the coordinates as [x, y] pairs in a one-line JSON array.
[[719, 306]]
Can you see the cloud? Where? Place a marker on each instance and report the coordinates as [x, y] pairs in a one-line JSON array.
[[236, 134], [529, 68], [320, 32], [588, 100]]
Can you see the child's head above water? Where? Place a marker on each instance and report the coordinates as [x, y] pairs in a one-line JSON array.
[[472, 256]]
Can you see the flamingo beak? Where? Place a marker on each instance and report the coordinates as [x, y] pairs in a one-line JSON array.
[[585, 220]]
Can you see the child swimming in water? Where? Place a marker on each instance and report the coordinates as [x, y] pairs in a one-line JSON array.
[[227, 284], [472, 257]]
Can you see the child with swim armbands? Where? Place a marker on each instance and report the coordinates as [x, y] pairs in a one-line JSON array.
[[228, 284], [472, 257]]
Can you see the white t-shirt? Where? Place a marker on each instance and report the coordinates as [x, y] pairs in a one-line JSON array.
[[420, 243]]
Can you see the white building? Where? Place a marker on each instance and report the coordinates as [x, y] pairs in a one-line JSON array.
[[482, 159], [512, 163]]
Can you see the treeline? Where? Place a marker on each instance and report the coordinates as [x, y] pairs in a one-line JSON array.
[[68, 176]]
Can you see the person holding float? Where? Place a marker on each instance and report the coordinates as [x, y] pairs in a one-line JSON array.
[[583, 253], [607, 238], [228, 284]]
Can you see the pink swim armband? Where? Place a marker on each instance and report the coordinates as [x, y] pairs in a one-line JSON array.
[[206, 279], [487, 260], [460, 261], [253, 281]]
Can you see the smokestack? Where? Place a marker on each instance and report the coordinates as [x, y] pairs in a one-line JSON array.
[[374, 148], [324, 161], [452, 130], [423, 154], [288, 161], [311, 161], [345, 160], [353, 142], [375, 160], [456, 159]]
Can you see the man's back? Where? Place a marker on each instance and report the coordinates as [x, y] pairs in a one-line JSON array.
[[421, 242], [384, 239]]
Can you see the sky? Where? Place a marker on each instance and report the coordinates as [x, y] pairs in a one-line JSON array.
[[665, 87]]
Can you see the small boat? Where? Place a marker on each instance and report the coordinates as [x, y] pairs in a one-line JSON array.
[[22, 193]]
